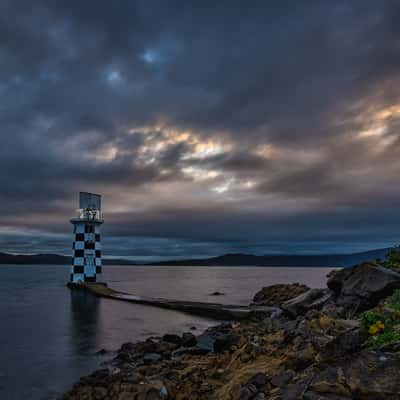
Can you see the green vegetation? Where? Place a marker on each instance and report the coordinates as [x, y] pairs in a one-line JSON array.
[[373, 321], [392, 260], [393, 302], [383, 324], [378, 341]]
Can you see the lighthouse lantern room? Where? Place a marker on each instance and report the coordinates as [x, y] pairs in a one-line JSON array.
[[86, 261]]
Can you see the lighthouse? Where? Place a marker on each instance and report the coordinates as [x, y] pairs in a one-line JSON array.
[[86, 261]]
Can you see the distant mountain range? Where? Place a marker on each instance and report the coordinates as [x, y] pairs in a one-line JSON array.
[[53, 259], [325, 260]]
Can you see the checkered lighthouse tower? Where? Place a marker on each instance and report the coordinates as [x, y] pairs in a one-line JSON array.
[[86, 263]]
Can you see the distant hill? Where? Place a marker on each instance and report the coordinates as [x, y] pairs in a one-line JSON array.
[[325, 260], [51, 259]]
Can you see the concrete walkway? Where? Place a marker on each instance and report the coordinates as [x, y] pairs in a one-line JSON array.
[[209, 310]]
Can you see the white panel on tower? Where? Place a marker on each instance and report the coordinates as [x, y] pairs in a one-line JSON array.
[[89, 237], [79, 228], [79, 245], [79, 261]]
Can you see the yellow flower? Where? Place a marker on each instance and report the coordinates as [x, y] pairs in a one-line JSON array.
[[377, 327], [373, 329]]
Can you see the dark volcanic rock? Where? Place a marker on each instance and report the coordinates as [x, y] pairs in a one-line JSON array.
[[205, 343], [170, 338], [313, 299], [366, 375], [275, 295], [225, 342], [150, 358], [282, 379], [259, 379], [362, 286], [188, 340]]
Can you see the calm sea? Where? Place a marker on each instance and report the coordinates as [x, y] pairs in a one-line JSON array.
[[49, 335]]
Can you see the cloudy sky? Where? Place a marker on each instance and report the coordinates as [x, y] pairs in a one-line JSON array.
[[207, 126]]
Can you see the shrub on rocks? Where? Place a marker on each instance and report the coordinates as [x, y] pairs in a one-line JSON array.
[[383, 324], [392, 260]]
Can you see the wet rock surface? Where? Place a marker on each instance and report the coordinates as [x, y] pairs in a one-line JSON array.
[[275, 295], [363, 286], [314, 349]]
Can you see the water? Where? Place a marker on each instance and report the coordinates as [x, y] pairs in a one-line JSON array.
[[49, 335]]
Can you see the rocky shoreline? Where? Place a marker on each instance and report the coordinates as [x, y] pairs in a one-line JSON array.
[[338, 343]]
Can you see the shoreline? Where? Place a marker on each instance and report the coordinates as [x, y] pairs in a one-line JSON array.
[[307, 344], [203, 309]]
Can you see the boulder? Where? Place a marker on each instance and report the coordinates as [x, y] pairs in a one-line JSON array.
[[171, 338], [275, 295], [343, 344], [205, 343], [150, 358], [226, 342], [313, 299], [283, 379], [366, 375], [259, 379], [188, 339], [362, 287]]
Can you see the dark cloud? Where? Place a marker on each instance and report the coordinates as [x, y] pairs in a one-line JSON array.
[[211, 125]]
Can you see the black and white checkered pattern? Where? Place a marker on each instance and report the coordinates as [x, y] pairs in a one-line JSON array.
[[86, 262]]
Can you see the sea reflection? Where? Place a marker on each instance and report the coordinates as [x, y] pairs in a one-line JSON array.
[[84, 322]]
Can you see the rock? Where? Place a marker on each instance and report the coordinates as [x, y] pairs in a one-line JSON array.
[[309, 395], [127, 347], [259, 379], [101, 352], [393, 347], [294, 391], [344, 343], [205, 343], [150, 358], [248, 392], [164, 392], [245, 393], [331, 381], [133, 377], [275, 295], [188, 340], [312, 299], [100, 392], [362, 287], [364, 375], [260, 312], [170, 338], [336, 278], [153, 394], [225, 342], [283, 379]]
